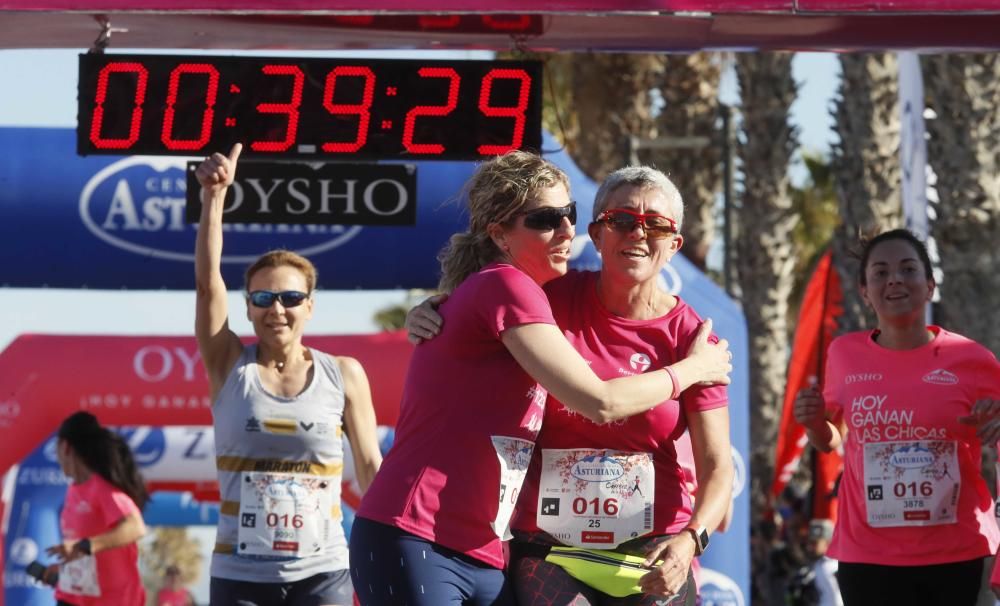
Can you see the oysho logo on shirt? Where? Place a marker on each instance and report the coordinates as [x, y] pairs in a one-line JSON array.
[[639, 362], [941, 377], [863, 377]]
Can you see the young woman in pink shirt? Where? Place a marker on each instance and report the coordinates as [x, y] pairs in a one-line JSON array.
[[623, 323], [915, 519], [101, 519], [431, 526]]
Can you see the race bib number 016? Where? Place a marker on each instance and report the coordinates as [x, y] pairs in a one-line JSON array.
[[284, 514], [79, 577], [514, 456], [911, 483], [591, 498]]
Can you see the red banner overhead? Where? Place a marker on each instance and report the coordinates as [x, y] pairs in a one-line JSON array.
[[512, 6], [409, 6], [146, 381]]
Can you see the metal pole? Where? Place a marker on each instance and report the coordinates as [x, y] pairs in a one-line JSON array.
[[727, 196]]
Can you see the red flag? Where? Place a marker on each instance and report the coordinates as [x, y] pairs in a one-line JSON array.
[[821, 305]]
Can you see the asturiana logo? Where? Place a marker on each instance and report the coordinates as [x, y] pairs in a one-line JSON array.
[[911, 457], [137, 205], [597, 468], [941, 377]]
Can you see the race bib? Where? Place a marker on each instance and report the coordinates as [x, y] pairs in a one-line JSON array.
[[284, 514], [596, 498], [514, 455], [911, 483], [79, 577]]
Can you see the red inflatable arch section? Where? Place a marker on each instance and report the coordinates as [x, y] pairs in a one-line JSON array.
[[147, 380]]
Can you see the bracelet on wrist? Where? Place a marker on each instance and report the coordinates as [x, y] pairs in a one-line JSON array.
[[676, 383], [83, 546]]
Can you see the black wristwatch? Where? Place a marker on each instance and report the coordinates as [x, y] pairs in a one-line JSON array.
[[700, 536], [83, 545]]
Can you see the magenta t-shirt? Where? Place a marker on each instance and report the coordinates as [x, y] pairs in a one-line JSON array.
[[93, 508], [463, 393], [902, 502], [617, 347]]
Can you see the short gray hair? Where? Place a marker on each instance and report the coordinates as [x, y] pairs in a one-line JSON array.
[[645, 177]]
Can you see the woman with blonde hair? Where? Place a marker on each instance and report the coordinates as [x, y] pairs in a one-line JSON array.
[[430, 529], [572, 539]]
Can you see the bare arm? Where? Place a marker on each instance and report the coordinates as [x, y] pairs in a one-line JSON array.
[[219, 346], [359, 417], [713, 461], [547, 356], [126, 531]]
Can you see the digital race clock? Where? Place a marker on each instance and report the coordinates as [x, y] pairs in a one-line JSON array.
[[307, 108]]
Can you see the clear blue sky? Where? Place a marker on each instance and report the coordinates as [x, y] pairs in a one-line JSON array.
[[48, 98]]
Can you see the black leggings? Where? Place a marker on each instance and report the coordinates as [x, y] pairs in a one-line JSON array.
[[952, 584]]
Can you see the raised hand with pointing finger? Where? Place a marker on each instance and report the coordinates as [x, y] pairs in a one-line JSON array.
[[217, 171]]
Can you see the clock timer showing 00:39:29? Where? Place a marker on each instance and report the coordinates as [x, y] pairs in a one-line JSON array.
[[322, 109]]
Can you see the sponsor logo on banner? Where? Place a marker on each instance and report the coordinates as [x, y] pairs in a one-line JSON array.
[[739, 473], [147, 443], [940, 377], [23, 551], [137, 204], [336, 193], [597, 468], [717, 589], [911, 457]]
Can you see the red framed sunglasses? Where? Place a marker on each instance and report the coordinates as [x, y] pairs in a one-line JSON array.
[[624, 221]]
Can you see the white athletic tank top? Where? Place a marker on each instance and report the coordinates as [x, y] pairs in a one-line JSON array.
[[266, 440]]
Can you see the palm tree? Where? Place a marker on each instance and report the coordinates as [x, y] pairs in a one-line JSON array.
[[765, 252], [613, 98], [690, 93], [865, 166], [964, 151]]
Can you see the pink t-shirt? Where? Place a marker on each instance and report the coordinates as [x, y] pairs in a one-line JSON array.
[[93, 508], [904, 405], [463, 390], [616, 347]]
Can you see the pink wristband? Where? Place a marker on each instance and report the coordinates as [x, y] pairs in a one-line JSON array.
[[673, 379]]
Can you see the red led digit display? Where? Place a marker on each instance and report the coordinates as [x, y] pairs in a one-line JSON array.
[[308, 108], [211, 93]]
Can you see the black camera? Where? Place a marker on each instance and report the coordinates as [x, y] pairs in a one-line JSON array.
[[37, 570]]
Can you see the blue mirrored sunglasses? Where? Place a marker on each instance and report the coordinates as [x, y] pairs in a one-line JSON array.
[[287, 298]]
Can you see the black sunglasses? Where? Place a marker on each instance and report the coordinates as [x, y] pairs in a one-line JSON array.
[[287, 298], [549, 217]]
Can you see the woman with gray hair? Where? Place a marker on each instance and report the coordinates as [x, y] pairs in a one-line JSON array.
[[430, 530], [604, 516]]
